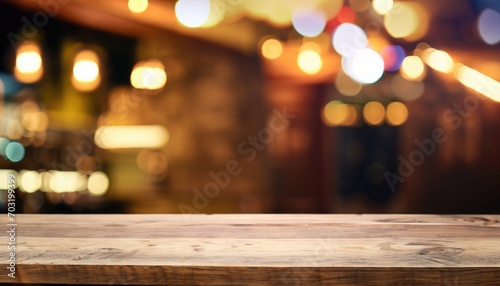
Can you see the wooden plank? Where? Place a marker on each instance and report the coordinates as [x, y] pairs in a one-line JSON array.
[[257, 249]]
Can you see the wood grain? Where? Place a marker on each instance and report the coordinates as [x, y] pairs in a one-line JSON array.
[[256, 249]]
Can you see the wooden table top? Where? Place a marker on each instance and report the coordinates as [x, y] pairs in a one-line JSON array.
[[255, 249]]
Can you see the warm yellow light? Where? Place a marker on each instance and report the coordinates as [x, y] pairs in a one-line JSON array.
[[45, 177], [86, 71], [382, 7], [131, 136], [479, 82], [148, 75], [396, 113], [352, 116], [412, 68], [35, 121], [98, 184], [29, 68], [28, 62], [309, 61], [440, 61], [192, 13], [374, 113], [336, 113], [402, 20], [30, 181], [137, 6], [67, 181], [272, 49]]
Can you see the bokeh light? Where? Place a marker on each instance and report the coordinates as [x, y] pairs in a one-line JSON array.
[[488, 25], [348, 38], [86, 71], [67, 181], [216, 14], [29, 181], [393, 57], [309, 61], [35, 121], [396, 113], [272, 49], [137, 6], [366, 67], [98, 183], [345, 85], [337, 113], [14, 151], [133, 136], [407, 20], [374, 113], [309, 23], [29, 67], [412, 68], [148, 75], [440, 61], [192, 13], [382, 7], [479, 82]]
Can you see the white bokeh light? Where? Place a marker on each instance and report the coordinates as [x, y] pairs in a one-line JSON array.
[[365, 67], [489, 26], [192, 13], [309, 23], [348, 38]]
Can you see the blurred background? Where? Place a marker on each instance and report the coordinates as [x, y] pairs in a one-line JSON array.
[[250, 106]]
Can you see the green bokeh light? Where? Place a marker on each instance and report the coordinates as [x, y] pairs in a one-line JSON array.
[[15, 151]]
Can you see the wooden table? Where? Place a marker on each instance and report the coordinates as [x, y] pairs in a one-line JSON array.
[[256, 249]]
